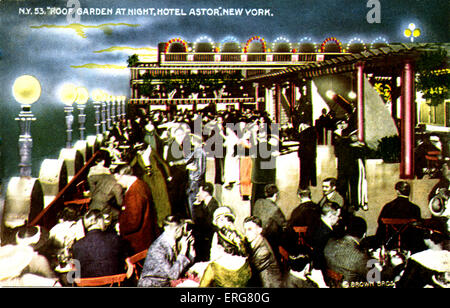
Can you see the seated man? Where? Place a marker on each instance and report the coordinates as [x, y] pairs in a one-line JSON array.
[[345, 255], [317, 240], [330, 193], [100, 252], [262, 259], [168, 256], [400, 207]]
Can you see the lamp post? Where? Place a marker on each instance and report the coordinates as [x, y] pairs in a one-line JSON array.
[[68, 95], [108, 111], [113, 109], [103, 121], [124, 99], [118, 108], [26, 91], [412, 31], [82, 98], [24, 199], [97, 96]]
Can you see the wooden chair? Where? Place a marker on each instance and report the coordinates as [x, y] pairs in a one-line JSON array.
[[334, 279], [398, 225], [301, 231], [101, 281], [136, 262], [107, 280], [284, 258]]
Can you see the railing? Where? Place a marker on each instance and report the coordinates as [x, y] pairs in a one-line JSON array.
[[262, 58], [47, 218]]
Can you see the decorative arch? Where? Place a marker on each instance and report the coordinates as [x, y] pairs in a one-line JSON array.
[[281, 40], [204, 39], [331, 39], [379, 40], [257, 38], [176, 40], [356, 40]]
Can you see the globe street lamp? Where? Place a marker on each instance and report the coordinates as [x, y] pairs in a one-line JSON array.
[[82, 98], [412, 32], [68, 95], [24, 199], [26, 91]]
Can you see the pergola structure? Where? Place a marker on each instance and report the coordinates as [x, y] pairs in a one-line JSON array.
[[394, 62]]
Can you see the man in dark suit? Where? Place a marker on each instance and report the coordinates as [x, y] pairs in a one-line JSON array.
[[100, 252], [203, 213], [317, 240], [307, 138], [400, 207], [307, 213], [345, 255]]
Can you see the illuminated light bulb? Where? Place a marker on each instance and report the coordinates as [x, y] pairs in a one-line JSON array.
[[26, 89], [68, 93], [82, 95], [330, 94]]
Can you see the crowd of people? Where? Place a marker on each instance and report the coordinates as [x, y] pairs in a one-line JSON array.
[[148, 192]]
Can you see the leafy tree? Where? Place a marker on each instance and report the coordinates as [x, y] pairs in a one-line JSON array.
[[132, 60], [434, 79]]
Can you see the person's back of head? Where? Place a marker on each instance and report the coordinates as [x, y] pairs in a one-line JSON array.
[[103, 156], [403, 188], [304, 193], [270, 190], [331, 180], [208, 187], [357, 227], [330, 208]]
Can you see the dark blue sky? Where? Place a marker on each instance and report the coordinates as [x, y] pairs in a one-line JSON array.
[[43, 45]]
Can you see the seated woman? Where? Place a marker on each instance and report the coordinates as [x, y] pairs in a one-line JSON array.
[[229, 266]]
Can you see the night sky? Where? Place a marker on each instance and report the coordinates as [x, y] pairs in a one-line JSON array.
[[94, 53]]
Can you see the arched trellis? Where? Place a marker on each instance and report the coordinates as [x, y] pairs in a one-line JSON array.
[[331, 39], [253, 38], [204, 39], [176, 40], [356, 40], [379, 40], [281, 39]]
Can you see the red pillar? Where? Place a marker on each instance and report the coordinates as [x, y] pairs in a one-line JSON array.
[[407, 122], [360, 100]]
